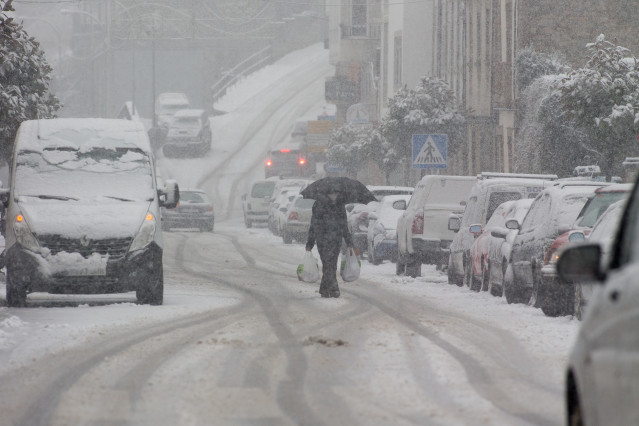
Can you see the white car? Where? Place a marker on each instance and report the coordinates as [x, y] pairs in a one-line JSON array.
[[602, 375], [279, 208], [167, 105], [382, 228]]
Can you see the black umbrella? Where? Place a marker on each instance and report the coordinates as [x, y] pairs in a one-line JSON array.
[[350, 190]]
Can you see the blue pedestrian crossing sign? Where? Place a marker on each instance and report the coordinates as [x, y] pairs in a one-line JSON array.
[[430, 151]]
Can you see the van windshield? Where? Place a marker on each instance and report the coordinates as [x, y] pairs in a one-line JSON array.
[[64, 173]]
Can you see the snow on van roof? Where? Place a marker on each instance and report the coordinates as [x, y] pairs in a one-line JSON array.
[[81, 133], [189, 113]]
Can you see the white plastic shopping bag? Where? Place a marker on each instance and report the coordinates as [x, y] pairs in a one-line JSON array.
[[350, 266], [308, 270]]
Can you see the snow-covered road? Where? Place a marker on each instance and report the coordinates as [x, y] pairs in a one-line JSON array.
[[240, 340]]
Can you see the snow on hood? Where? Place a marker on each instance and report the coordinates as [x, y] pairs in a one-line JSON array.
[[74, 219]]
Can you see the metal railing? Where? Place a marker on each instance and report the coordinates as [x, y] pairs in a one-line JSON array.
[[231, 76]]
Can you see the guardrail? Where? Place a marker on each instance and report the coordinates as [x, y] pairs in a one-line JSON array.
[[231, 76]]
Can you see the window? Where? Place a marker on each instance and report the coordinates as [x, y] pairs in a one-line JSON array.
[[538, 211], [397, 74], [359, 18]]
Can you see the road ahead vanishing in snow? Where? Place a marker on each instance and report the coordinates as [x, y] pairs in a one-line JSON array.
[[239, 340]]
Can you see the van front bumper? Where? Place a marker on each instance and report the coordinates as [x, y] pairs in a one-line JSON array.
[[38, 273]]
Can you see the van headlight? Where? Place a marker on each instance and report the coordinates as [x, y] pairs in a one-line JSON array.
[[146, 234], [23, 234]]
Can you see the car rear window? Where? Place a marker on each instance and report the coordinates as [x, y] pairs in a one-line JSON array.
[[598, 205], [304, 203], [497, 198], [262, 189], [192, 197]]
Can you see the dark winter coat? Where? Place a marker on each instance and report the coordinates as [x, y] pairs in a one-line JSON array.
[[328, 224]]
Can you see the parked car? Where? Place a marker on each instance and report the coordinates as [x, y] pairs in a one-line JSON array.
[[189, 133], [382, 228], [256, 203], [195, 210], [298, 220], [603, 233], [552, 213], [380, 191], [490, 252], [358, 220], [558, 301], [490, 190], [602, 378], [84, 211], [278, 211], [167, 104], [422, 229]]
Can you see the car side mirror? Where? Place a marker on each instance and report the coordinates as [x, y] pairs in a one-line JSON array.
[[512, 224], [580, 263], [454, 223], [170, 196], [475, 229], [399, 205]]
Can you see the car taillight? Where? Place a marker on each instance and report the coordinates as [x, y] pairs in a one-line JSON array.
[[269, 163], [551, 256], [209, 208], [293, 216], [302, 161], [418, 224]]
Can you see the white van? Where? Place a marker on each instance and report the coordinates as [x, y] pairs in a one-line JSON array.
[[422, 230], [83, 210]]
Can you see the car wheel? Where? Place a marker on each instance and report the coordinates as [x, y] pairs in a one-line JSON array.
[[575, 415], [559, 299], [286, 237], [211, 226], [16, 291], [400, 266], [248, 223], [151, 291], [579, 303], [468, 275], [371, 256], [414, 268], [538, 295], [475, 284], [485, 278], [511, 290]]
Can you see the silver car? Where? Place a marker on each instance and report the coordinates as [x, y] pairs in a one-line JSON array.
[[298, 220]]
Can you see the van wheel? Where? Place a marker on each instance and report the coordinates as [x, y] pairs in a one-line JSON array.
[[400, 266], [16, 293], [414, 268], [151, 292], [286, 237]]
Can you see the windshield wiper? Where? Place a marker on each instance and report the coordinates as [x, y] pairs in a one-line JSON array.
[[117, 198], [52, 197]]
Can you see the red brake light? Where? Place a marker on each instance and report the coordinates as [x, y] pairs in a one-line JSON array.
[[418, 224], [293, 216], [269, 163], [285, 150], [302, 161]]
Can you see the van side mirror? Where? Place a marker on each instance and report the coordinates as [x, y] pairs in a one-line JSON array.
[[454, 223], [170, 195]]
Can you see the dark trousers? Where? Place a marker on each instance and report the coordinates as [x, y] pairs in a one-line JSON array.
[[329, 254]]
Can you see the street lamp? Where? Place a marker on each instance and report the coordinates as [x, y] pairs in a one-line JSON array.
[[54, 28]]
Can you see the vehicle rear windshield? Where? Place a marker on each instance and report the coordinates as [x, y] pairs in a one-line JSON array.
[[191, 197], [263, 189], [496, 198], [304, 203], [597, 205], [186, 122]]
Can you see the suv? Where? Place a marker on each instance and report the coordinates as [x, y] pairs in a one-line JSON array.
[[422, 234], [489, 192], [602, 378], [552, 213], [83, 210], [167, 105], [189, 131]]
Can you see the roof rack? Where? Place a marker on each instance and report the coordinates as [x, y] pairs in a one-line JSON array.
[[494, 175]]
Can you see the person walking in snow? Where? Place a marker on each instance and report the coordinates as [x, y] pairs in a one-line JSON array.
[[328, 229]]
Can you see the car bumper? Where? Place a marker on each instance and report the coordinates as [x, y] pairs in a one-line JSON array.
[[434, 252], [386, 249], [296, 228], [37, 273], [187, 221], [257, 216]]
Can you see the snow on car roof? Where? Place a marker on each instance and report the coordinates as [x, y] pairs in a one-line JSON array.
[[189, 113], [81, 133]]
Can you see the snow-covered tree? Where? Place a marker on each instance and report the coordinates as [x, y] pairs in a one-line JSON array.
[[24, 79], [603, 99], [531, 65], [429, 108]]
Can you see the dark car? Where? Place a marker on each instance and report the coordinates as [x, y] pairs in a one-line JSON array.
[[553, 212], [195, 210]]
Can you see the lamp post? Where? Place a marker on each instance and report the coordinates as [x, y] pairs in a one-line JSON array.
[[55, 30]]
